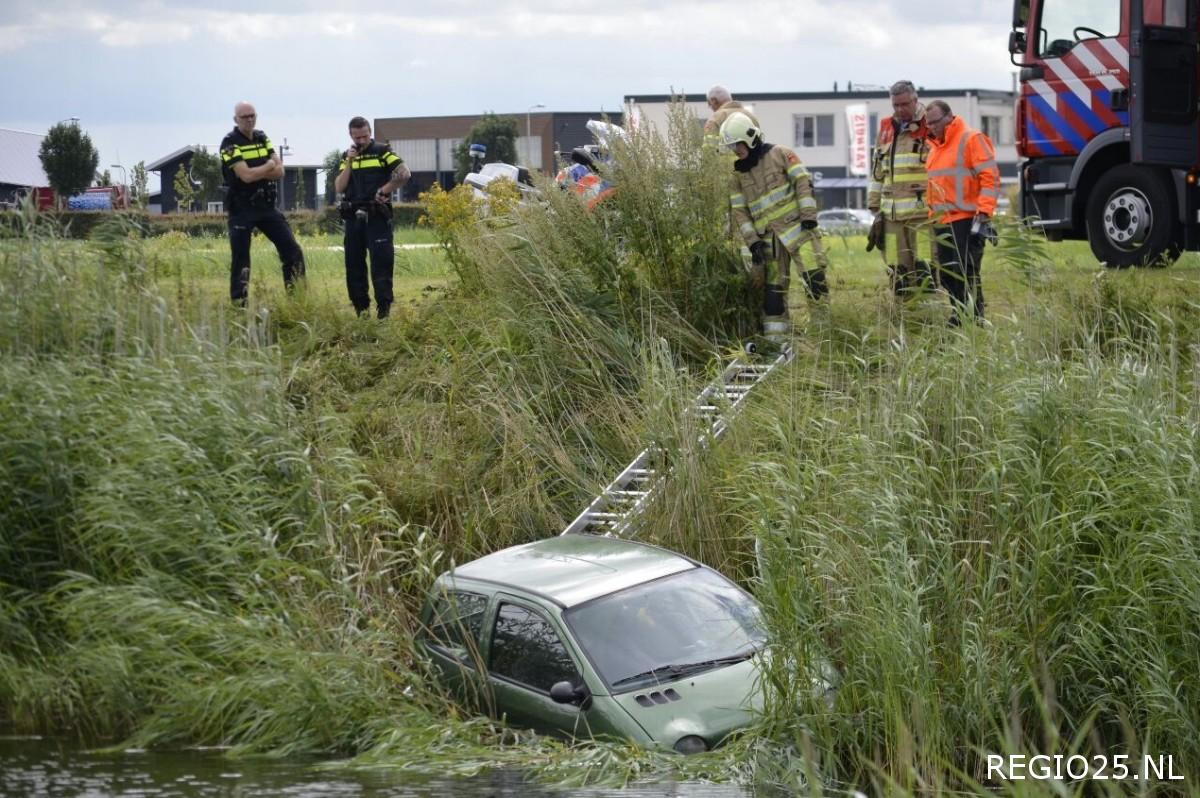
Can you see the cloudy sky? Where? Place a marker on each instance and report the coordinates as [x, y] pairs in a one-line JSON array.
[[146, 78]]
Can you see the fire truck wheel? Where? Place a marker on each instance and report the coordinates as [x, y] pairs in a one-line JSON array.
[[1131, 218]]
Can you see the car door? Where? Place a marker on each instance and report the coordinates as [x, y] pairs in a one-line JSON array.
[[452, 631], [1165, 125], [526, 656]]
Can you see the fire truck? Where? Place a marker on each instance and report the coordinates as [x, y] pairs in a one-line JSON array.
[[1106, 122]]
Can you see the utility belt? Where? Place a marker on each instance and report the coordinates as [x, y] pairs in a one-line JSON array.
[[349, 211], [264, 196]]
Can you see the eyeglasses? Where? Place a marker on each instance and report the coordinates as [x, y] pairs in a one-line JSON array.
[[938, 121], [247, 116]]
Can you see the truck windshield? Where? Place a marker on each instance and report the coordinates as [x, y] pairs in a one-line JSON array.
[[680, 625], [1064, 22]]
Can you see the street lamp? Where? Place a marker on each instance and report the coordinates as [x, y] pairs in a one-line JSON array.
[[124, 184], [529, 134]]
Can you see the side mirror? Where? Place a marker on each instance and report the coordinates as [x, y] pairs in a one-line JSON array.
[[567, 693], [1016, 42]]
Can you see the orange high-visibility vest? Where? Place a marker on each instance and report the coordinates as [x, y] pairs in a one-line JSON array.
[[963, 177]]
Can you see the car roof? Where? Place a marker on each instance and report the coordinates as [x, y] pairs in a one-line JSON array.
[[572, 569]]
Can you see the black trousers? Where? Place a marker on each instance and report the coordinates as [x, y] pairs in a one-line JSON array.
[[960, 256], [242, 221], [374, 235]]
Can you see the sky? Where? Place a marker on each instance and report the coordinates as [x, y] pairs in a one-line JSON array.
[[146, 78]]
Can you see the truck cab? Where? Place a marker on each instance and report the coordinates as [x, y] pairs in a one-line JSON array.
[[1107, 125]]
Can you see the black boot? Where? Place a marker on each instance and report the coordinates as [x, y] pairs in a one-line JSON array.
[[815, 285]]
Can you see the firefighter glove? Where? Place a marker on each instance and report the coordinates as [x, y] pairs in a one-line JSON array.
[[809, 224], [875, 236], [758, 253]]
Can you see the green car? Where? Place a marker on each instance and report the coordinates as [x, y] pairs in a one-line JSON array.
[[588, 636]]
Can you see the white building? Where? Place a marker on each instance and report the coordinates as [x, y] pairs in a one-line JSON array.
[[20, 164], [815, 125]]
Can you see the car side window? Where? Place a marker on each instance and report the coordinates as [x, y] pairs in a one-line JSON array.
[[527, 649], [456, 623]]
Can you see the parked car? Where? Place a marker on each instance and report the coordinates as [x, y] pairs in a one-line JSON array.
[[587, 636], [845, 220]]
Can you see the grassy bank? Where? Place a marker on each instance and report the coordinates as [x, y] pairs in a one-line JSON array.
[[216, 524]]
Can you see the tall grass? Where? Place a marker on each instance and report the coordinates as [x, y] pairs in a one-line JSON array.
[[177, 561], [216, 525], [997, 546]]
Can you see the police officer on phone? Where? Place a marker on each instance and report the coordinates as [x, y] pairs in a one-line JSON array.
[[367, 176], [251, 168]]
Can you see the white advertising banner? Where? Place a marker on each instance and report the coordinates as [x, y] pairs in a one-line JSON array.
[[856, 125]]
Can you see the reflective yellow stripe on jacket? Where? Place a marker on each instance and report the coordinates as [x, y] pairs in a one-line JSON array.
[[773, 197], [246, 152]]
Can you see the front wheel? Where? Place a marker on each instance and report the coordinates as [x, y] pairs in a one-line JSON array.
[[1131, 218]]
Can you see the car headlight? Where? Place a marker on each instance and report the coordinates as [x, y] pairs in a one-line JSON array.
[[691, 745]]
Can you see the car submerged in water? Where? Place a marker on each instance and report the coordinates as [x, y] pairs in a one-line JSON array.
[[582, 635]]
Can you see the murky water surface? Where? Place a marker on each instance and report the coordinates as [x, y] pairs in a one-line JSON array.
[[41, 768]]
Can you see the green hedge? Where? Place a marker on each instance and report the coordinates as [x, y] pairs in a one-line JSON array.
[[79, 224]]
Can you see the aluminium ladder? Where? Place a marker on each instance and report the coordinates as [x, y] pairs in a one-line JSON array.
[[613, 512]]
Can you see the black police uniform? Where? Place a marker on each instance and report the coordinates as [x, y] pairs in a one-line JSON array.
[[252, 205], [369, 227]]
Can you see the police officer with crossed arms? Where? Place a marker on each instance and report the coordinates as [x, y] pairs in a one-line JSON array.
[[251, 168], [367, 176]]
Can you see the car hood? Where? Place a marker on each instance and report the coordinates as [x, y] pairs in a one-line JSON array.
[[708, 705]]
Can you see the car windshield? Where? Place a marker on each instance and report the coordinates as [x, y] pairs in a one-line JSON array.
[[677, 626]]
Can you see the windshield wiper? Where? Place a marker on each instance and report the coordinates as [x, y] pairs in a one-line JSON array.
[[679, 669]]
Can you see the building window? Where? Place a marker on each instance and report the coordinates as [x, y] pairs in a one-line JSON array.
[[814, 130], [992, 127]]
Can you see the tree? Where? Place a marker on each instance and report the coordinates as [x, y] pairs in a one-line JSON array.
[[185, 189], [333, 159], [206, 170], [69, 159], [141, 185], [104, 178], [497, 133]]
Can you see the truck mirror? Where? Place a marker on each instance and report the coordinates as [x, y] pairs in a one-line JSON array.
[[1016, 42]]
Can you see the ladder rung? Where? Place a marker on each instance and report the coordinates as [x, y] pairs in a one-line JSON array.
[[618, 506]]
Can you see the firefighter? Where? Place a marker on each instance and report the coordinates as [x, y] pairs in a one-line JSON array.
[[963, 187], [722, 104], [772, 206], [368, 174], [896, 193], [250, 167]]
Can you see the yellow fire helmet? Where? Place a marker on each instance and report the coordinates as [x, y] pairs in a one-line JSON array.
[[739, 127]]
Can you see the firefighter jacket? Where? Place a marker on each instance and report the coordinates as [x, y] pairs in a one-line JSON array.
[[897, 186], [712, 126], [773, 195], [963, 177], [254, 151], [369, 171]]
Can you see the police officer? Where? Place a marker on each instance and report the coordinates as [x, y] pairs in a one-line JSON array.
[[368, 174], [250, 167]]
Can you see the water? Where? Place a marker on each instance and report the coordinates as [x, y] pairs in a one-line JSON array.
[[32, 767]]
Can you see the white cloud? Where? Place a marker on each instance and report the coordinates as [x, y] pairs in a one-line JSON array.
[[15, 37]]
